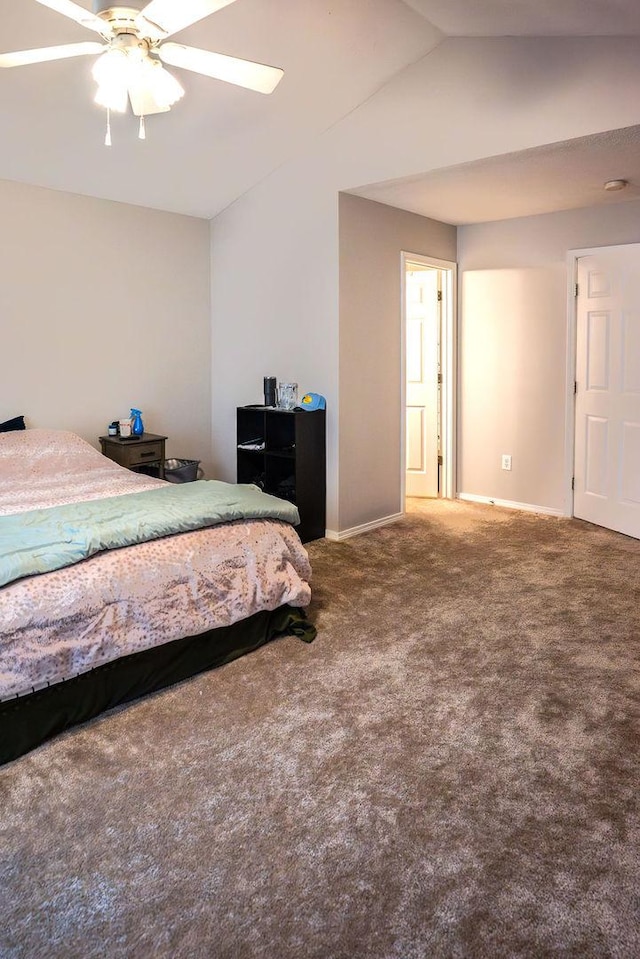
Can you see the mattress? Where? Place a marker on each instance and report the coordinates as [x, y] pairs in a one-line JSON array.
[[58, 625]]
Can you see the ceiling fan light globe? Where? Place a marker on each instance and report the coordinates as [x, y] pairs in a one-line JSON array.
[[111, 68], [112, 98], [162, 85], [112, 72]]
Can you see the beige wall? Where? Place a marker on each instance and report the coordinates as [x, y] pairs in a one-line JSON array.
[[512, 383], [104, 306], [274, 292], [512, 348], [372, 237]]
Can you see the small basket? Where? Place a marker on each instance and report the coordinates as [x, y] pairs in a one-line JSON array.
[[182, 471]]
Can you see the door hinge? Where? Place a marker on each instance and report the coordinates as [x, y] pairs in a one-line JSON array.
[[439, 459], [439, 379], [575, 386], [573, 482], [576, 290], [439, 296]]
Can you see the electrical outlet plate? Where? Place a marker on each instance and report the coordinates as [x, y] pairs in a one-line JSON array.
[[506, 461]]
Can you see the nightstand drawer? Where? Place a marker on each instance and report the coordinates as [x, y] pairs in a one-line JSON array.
[[144, 453], [136, 453]]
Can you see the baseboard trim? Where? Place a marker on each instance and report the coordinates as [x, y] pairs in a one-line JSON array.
[[337, 537], [509, 504]]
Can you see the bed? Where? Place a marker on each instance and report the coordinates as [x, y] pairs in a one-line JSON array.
[[79, 639]]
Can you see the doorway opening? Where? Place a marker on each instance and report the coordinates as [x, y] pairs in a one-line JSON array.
[[428, 357]]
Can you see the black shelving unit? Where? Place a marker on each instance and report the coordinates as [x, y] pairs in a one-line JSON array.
[[289, 460]]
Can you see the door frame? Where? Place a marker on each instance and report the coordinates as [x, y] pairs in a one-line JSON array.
[[448, 365], [572, 358]]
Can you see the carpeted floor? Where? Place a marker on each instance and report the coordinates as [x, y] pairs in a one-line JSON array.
[[450, 770]]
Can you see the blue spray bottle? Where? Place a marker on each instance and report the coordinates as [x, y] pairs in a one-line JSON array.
[[137, 426]]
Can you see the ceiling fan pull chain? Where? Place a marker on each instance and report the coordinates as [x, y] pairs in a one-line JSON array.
[[142, 133], [107, 139]]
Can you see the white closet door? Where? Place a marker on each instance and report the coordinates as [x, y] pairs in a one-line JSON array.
[[607, 446]]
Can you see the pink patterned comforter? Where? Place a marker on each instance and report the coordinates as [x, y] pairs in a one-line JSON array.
[[60, 624]]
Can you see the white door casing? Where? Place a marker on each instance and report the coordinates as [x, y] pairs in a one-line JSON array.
[[423, 306], [607, 409]]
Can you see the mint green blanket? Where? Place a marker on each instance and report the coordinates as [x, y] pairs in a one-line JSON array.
[[42, 540]]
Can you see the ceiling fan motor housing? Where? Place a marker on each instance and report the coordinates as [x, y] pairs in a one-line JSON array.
[[103, 7], [126, 19]]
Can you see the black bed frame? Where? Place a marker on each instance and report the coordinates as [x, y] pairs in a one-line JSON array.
[[29, 720]]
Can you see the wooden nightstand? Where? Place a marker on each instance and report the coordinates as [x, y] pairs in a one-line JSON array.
[[136, 453]]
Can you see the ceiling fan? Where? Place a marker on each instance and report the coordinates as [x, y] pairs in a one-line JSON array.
[[133, 51]]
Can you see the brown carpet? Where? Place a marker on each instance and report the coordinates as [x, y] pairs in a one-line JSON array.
[[450, 770]]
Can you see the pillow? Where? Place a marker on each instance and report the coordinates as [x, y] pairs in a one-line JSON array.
[[17, 423]]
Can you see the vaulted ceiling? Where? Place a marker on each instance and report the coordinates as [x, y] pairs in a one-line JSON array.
[[532, 18], [221, 140]]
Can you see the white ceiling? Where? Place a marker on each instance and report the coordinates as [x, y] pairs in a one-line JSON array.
[[534, 18], [221, 140], [559, 176]]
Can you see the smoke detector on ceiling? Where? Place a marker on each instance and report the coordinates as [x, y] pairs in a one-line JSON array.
[[613, 185]]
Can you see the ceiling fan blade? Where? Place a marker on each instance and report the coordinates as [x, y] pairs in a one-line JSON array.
[[73, 10], [244, 73], [22, 57], [172, 16]]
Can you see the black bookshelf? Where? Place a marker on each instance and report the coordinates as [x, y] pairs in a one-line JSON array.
[[289, 461]]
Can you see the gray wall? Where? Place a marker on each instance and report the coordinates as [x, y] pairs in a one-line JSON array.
[[275, 303], [512, 347], [372, 237], [104, 306]]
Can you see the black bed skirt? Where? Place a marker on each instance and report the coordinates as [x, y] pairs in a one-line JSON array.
[[28, 721]]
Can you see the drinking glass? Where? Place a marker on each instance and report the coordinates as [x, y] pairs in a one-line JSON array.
[[287, 396]]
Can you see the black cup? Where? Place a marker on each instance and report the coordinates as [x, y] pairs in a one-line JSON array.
[[269, 391]]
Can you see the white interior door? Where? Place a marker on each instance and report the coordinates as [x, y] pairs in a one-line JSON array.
[[607, 436], [423, 296]]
